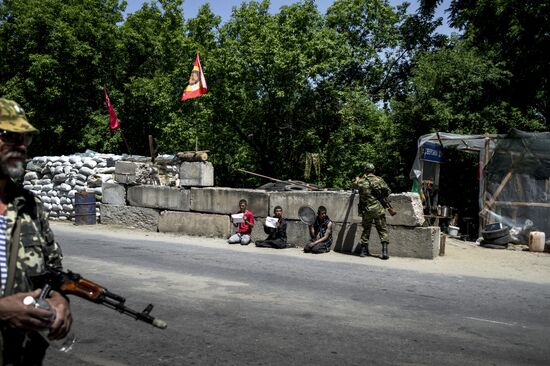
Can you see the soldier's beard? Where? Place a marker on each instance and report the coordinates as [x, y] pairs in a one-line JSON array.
[[12, 165]]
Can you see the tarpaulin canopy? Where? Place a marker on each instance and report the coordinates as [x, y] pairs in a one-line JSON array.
[[515, 184], [469, 143]]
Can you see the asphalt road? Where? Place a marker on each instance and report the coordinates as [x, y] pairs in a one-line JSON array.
[[249, 306]]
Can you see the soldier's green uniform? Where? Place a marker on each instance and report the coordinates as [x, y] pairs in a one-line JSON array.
[[370, 187], [35, 248]]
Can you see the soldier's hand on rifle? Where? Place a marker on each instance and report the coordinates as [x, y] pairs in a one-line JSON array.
[[63, 317], [25, 317]]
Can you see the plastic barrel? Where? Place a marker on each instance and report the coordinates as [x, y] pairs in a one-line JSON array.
[[536, 241], [84, 208]]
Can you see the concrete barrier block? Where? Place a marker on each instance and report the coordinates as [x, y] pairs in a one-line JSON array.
[[413, 242], [125, 178], [341, 205], [125, 171], [195, 224], [160, 197], [410, 211], [298, 234], [222, 200], [138, 217], [125, 167], [196, 174], [113, 194]]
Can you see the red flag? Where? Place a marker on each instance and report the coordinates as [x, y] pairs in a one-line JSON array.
[[113, 120], [197, 82]]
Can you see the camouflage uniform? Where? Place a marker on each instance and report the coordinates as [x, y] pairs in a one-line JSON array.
[[370, 207], [37, 248]]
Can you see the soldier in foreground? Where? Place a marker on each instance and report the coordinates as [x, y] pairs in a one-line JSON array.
[[27, 247], [373, 194]]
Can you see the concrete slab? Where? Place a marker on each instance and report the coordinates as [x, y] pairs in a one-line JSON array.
[[125, 172], [196, 224], [222, 200], [160, 197], [113, 194], [410, 211], [196, 174], [414, 242], [341, 205], [125, 167], [138, 217]]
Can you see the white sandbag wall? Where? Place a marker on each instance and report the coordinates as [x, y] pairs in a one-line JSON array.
[[57, 179]]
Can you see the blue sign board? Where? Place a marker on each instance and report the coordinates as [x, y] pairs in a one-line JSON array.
[[432, 152]]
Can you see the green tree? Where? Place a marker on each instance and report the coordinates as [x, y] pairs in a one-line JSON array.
[[269, 104], [56, 55], [454, 90], [382, 40], [157, 55], [516, 35]]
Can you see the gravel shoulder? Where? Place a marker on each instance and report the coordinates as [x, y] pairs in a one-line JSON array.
[[461, 258]]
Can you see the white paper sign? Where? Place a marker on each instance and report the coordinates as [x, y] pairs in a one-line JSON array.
[[271, 222], [238, 218]]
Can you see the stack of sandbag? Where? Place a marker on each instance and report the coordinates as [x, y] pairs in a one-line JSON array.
[[55, 180]]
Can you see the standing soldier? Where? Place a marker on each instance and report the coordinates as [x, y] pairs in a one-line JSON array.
[[373, 192]]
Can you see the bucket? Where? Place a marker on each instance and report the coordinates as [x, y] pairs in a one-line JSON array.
[[84, 208], [536, 241], [453, 230]]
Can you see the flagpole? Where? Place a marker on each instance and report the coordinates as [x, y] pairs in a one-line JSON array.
[[125, 142]]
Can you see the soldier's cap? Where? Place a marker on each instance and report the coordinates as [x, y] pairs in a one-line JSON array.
[[369, 167], [13, 119]]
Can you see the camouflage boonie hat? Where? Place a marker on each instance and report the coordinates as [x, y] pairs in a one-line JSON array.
[[12, 117], [369, 167]]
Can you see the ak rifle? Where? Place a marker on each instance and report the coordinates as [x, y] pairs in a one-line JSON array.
[[70, 283]]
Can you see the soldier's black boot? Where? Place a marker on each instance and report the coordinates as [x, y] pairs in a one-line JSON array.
[[385, 251], [364, 251]]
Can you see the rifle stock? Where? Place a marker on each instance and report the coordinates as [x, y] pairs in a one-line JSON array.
[[387, 205], [70, 283]]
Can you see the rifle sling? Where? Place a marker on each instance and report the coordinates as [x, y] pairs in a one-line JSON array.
[[14, 248]]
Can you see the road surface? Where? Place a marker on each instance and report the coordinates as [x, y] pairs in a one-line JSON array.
[[238, 305]]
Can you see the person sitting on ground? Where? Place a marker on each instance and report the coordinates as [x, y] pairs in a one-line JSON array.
[[244, 227], [320, 232], [276, 236]]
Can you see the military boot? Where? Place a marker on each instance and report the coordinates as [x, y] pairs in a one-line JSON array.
[[364, 250], [385, 251]]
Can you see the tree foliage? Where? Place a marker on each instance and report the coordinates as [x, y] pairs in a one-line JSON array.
[[359, 83], [516, 35]]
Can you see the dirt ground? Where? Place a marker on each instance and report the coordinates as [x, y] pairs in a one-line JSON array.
[[461, 258]]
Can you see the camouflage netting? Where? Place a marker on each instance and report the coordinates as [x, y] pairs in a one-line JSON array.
[[515, 186], [517, 183]]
